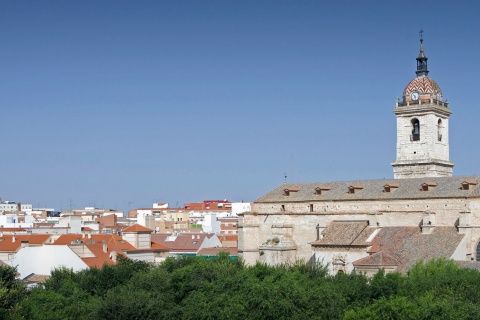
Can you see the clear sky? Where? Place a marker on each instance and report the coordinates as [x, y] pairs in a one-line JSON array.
[[122, 103]]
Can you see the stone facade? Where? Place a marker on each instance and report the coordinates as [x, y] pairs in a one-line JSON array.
[[363, 226], [425, 154], [282, 228]]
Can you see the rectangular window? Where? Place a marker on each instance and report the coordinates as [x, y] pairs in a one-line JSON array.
[[311, 207], [282, 208]]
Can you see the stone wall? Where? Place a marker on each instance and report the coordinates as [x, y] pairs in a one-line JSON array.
[[299, 224]]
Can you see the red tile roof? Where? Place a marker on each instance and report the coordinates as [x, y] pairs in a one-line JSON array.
[[229, 237], [69, 238], [403, 246], [215, 251], [7, 244], [137, 228], [379, 259], [182, 242], [12, 230]]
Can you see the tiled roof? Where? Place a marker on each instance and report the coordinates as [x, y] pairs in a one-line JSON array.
[[101, 257], [69, 238], [7, 244], [36, 278], [137, 228], [423, 85], [159, 246], [95, 244], [228, 237], [12, 230], [183, 242], [447, 187], [407, 245], [215, 251], [345, 233], [469, 264], [379, 259]]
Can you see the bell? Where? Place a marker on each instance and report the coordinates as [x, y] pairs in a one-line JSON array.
[[416, 129]]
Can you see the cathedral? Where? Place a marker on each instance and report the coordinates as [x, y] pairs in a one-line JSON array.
[[362, 226]]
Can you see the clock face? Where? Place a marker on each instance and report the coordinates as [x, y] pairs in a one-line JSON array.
[[414, 96]]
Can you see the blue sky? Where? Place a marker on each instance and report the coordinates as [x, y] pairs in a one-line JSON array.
[[109, 102]]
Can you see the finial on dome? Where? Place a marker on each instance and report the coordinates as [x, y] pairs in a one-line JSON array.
[[421, 59]]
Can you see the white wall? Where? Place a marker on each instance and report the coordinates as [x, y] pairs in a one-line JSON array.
[[241, 207], [210, 224], [43, 259], [74, 223]]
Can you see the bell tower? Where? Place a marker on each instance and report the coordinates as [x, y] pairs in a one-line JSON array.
[[422, 127]]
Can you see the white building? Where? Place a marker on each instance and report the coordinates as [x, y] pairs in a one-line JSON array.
[[42, 260]]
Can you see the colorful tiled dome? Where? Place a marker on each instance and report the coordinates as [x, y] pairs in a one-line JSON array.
[[423, 85]]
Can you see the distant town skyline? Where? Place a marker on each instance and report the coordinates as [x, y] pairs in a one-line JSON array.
[[120, 104]]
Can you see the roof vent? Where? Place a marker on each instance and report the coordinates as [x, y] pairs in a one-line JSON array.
[[320, 189], [286, 191], [390, 187], [427, 186], [467, 184], [354, 187]]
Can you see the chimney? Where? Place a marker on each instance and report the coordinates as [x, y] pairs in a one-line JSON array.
[[14, 238], [105, 247], [428, 222], [464, 222], [113, 256]]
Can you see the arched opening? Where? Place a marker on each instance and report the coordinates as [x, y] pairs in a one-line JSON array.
[[439, 130], [477, 256], [415, 130]]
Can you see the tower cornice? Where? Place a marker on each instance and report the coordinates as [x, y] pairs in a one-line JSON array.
[[413, 110]]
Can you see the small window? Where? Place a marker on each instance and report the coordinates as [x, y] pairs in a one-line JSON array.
[[427, 186], [390, 187], [282, 208], [439, 130], [467, 184], [353, 188], [321, 189], [311, 207]]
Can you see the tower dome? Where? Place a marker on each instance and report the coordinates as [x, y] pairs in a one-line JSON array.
[[422, 88]]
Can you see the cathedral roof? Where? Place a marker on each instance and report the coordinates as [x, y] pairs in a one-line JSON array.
[[447, 187], [423, 85], [404, 246], [345, 233]]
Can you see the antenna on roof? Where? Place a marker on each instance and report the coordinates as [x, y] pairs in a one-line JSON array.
[[285, 175]]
